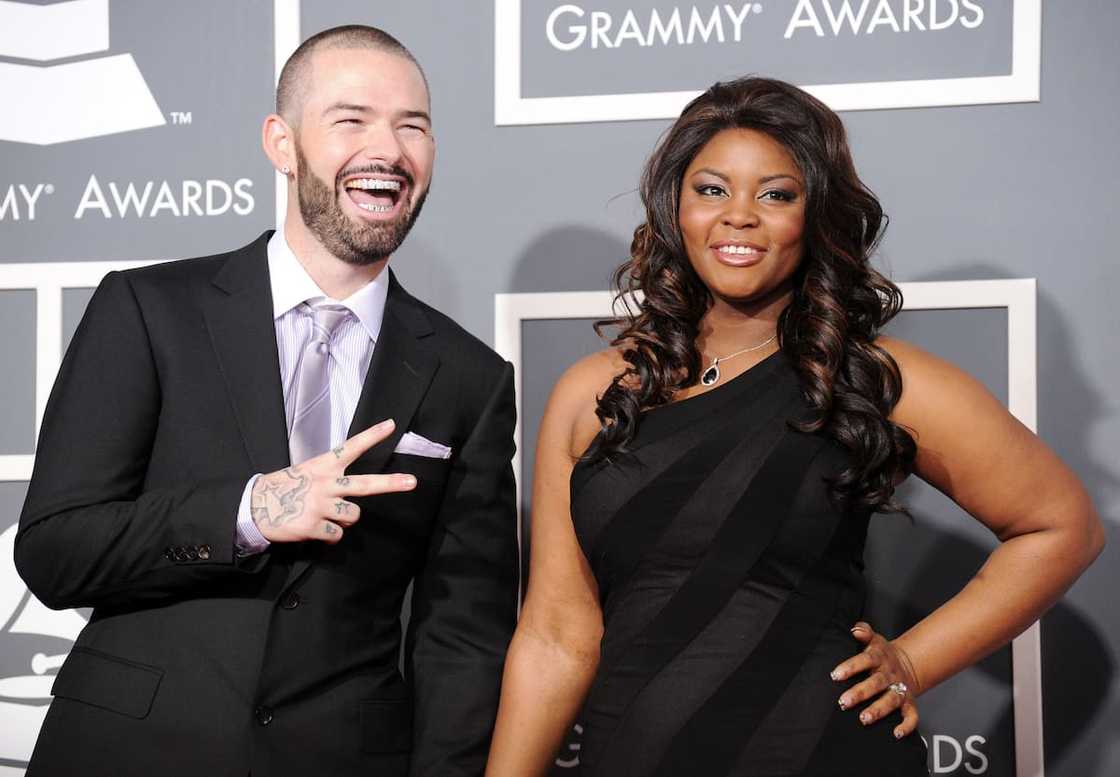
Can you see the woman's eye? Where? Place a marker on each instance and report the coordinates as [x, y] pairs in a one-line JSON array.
[[709, 190], [781, 195]]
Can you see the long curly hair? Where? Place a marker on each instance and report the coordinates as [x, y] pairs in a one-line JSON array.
[[839, 301]]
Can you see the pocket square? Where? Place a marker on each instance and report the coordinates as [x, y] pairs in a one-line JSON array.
[[416, 445]]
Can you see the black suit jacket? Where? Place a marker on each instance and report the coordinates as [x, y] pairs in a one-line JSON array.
[[201, 664]]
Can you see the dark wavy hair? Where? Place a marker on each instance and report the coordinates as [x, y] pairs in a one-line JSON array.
[[839, 300]]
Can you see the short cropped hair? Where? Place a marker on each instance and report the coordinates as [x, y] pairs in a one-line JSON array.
[[292, 87]]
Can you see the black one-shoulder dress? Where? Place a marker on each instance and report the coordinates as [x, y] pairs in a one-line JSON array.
[[729, 584]]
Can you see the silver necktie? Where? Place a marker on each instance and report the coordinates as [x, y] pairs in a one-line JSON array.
[[311, 421]]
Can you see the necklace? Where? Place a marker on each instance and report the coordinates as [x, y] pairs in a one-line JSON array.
[[710, 376]]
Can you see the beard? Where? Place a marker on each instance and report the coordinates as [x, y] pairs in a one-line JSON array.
[[353, 242]]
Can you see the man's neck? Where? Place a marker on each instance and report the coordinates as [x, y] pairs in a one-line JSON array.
[[337, 278]]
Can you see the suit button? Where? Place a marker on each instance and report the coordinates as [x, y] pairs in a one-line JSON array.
[[264, 715], [204, 552], [291, 600]]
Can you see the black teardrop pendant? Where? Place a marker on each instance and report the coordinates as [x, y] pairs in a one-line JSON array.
[[711, 375]]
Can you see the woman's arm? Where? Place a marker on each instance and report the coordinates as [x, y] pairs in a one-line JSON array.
[[555, 649], [975, 452]]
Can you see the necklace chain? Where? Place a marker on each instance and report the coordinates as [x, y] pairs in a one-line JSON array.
[[763, 344], [711, 375]]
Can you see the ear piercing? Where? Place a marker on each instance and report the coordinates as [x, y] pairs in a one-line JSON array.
[[285, 170]]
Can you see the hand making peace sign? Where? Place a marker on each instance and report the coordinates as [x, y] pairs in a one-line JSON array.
[[308, 501]]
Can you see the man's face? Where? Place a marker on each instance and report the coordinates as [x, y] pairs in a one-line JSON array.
[[364, 152]]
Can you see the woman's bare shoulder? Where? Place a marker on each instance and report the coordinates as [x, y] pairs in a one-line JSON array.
[[921, 370], [906, 353], [938, 398], [576, 396]]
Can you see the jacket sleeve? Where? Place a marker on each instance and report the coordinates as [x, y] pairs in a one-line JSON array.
[[90, 534], [465, 600]]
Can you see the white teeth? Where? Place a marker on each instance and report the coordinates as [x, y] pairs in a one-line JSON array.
[[374, 184], [738, 250]]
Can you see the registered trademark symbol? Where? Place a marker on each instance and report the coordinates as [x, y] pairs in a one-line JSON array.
[[758, 7], [49, 188]]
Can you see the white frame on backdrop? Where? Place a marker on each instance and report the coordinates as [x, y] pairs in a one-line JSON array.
[[48, 280], [1018, 296], [51, 278], [510, 108]]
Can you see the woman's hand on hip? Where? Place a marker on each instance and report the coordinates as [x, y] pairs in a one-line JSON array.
[[891, 681]]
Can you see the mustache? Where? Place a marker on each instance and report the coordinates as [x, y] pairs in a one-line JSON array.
[[374, 169]]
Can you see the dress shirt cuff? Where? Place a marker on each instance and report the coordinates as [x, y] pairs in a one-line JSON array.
[[249, 540]]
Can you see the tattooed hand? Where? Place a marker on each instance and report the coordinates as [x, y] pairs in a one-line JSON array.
[[308, 501]]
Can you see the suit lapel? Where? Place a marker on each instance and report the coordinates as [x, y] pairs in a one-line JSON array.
[[400, 371], [238, 312]]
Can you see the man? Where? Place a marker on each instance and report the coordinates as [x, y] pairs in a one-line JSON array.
[[248, 457]]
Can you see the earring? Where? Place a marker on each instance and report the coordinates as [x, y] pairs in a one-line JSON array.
[[285, 170]]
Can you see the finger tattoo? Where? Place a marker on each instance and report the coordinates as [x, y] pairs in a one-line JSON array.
[[341, 507], [330, 528], [342, 481], [337, 451]]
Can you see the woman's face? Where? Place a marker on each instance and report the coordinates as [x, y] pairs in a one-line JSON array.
[[742, 214]]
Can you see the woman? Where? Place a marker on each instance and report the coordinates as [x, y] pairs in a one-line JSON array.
[[703, 488]]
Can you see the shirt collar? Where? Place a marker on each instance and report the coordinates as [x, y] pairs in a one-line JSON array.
[[292, 286]]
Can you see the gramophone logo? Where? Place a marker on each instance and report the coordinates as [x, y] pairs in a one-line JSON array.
[[34, 641], [89, 97]]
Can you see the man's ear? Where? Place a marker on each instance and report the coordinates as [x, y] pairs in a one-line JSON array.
[[278, 141]]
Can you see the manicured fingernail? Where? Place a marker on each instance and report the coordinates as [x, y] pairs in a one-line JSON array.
[[408, 481], [837, 674], [843, 703], [385, 424], [865, 718], [898, 733]]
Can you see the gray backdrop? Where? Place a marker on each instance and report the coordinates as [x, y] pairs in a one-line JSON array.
[[974, 192]]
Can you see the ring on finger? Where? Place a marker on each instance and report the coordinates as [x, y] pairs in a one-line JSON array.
[[899, 688]]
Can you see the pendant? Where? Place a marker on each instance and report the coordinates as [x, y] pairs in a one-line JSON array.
[[710, 376]]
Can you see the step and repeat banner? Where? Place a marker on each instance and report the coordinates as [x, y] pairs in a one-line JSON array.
[[129, 134], [607, 60]]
